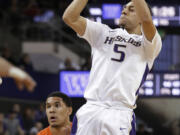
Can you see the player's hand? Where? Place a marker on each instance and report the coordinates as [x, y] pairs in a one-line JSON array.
[[22, 79], [27, 82]]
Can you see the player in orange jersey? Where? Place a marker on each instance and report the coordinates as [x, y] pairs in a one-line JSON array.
[[58, 110]]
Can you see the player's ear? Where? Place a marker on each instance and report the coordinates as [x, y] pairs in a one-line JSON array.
[[69, 111]]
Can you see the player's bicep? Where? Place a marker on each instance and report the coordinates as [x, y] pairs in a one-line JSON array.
[[149, 30], [79, 26]]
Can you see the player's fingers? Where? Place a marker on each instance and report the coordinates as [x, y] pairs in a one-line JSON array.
[[30, 84], [19, 84], [22, 79]]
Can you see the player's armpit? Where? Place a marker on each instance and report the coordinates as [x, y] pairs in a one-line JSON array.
[[149, 30], [79, 26]]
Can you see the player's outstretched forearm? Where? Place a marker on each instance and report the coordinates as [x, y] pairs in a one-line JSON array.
[[4, 67], [21, 78], [72, 13]]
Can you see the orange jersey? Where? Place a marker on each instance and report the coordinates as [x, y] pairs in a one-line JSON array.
[[45, 131]]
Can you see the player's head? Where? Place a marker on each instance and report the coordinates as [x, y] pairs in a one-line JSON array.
[[129, 19], [58, 109]]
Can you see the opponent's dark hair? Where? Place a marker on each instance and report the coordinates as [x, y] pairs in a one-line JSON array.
[[64, 97]]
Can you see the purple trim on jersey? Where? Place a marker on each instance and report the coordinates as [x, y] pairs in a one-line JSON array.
[[133, 124], [143, 78], [74, 126]]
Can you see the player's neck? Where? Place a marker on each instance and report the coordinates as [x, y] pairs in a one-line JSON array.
[[61, 130], [136, 30]]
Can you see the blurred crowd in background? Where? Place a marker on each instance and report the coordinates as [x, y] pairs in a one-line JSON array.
[[23, 122]]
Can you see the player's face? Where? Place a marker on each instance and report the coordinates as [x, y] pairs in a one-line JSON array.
[[57, 112], [129, 19]]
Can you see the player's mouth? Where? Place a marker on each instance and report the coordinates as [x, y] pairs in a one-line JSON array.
[[53, 119]]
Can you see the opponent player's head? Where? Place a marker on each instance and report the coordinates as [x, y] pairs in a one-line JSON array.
[[129, 19], [58, 109]]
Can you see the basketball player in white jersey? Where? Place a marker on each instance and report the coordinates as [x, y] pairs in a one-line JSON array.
[[121, 61]]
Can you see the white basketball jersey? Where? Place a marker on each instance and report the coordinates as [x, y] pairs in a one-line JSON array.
[[120, 63]]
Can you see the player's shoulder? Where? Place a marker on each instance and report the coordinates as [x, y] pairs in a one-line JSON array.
[[45, 131]]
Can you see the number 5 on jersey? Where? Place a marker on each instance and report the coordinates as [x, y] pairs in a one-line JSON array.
[[122, 54]]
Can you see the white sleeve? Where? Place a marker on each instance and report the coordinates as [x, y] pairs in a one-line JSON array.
[[93, 32], [152, 48]]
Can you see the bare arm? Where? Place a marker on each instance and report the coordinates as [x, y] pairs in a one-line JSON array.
[[144, 15], [21, 78], [72, 16], [4, 67]]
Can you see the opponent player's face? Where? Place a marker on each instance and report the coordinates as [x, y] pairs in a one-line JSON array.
[[57, 112], [129, 18]]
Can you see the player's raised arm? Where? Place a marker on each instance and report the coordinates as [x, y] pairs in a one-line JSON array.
[[145, 17], [72, 16]]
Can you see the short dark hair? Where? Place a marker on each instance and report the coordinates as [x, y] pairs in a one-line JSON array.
[[64, 97]]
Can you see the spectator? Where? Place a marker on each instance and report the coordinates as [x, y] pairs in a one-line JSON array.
[[67, 65], [17, 109], [87, 64], [34, 130], [3, 130], [40, 115], [141, 130], [13, 125], [28, 120], [25, 62], [15, 17], [7, 54], [175, 127], [32, 9]]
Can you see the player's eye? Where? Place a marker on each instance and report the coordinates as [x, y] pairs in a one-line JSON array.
[[131, 9], [48, 106], [57, 105]]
